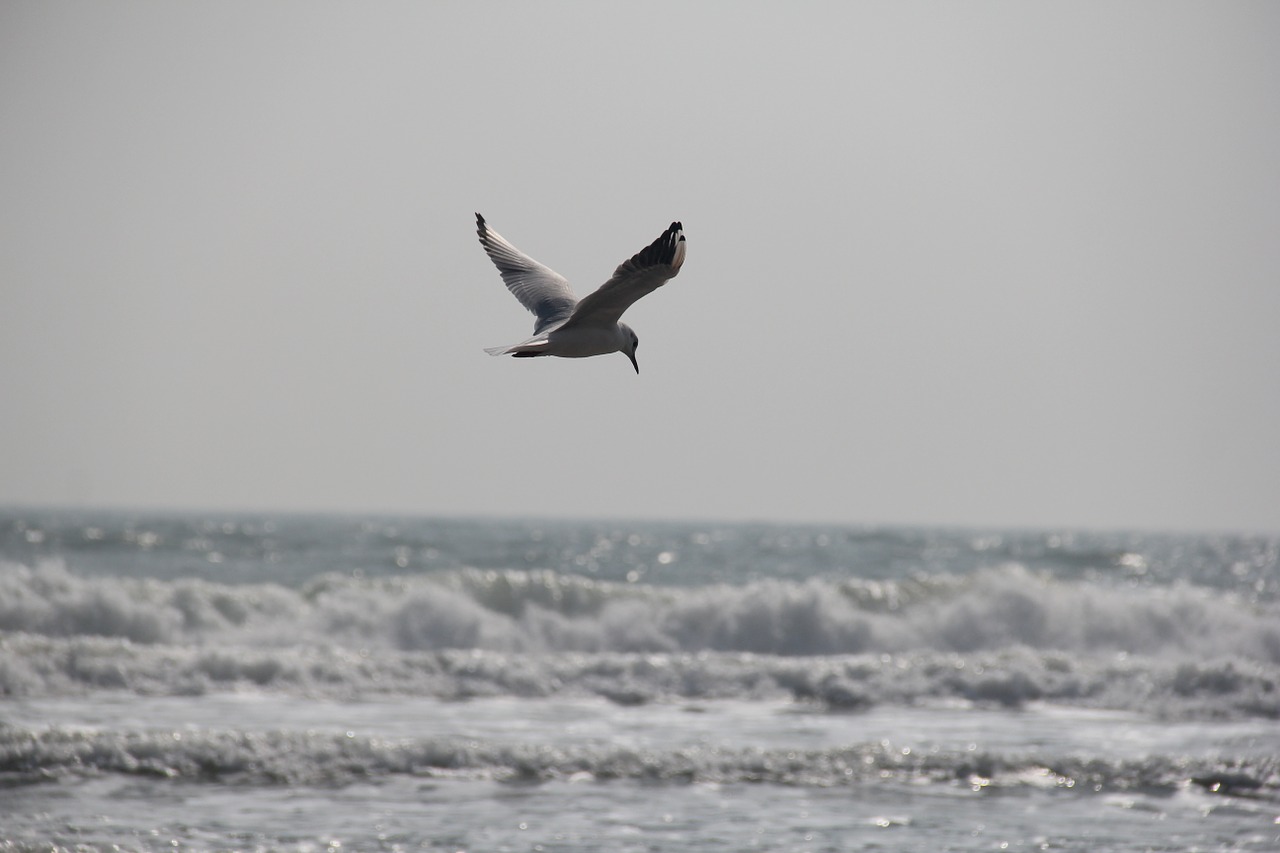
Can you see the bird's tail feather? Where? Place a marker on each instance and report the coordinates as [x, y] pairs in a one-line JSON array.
[[533, 346]]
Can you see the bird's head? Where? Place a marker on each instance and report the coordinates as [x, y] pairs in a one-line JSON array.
[[629, 343]]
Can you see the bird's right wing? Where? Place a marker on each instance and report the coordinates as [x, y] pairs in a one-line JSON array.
[[644, 272], [539, 288]]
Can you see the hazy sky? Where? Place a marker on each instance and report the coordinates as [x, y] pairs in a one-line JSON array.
[[995, 264]]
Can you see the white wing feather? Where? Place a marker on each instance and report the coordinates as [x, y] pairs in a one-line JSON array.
[[539, 288]]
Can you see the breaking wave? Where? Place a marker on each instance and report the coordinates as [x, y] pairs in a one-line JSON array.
[[310, 758], [1003, 636], [543, 611]]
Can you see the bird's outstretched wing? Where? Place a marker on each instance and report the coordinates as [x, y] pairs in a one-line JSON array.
[[645, 272], [539, 288]]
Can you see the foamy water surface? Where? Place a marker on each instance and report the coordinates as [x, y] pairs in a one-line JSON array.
[[309, 683]]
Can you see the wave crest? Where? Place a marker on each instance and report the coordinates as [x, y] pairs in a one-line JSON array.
[[337, 758], [541, 611]]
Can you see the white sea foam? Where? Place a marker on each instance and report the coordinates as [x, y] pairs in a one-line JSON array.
[[175, 671], [282, 757], [1004, 637], [1000, 608]]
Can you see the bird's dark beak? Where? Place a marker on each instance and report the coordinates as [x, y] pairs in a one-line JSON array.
[[634, 363]]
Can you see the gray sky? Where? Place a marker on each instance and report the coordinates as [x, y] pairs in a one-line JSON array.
[[996, 264]]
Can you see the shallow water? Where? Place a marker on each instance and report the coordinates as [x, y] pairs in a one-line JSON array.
[[325, 684]]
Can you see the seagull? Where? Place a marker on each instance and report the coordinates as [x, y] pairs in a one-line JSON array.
[[576, 328]]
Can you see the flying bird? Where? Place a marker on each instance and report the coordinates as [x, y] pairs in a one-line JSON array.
[[576, 328]]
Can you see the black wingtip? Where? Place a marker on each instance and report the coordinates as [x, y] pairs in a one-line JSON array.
[[662, 250]]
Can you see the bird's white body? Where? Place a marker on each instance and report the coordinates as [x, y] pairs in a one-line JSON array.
[[573, 342], [569, 327]]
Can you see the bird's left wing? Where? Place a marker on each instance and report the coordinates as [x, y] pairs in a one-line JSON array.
[[645, 272], [538, 287]]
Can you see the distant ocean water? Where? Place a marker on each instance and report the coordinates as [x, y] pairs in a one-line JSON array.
[[211, 682]]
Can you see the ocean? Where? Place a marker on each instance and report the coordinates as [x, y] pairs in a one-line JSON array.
[[324, 683]]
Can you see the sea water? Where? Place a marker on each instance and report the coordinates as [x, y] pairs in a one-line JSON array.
[[212, 682]]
